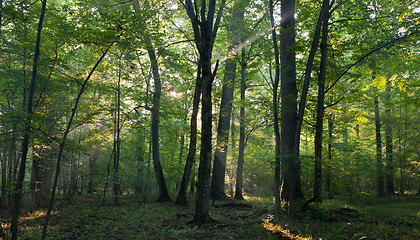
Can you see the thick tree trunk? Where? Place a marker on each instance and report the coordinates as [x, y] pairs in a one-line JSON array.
[[319, 127], [25, 143], [240, 167], [288, 92], [390, 188], [182, 195], [379, 164], [219, 165], [205, 32]]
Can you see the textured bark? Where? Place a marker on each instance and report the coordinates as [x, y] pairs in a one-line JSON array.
[[319, 127], [205, 29], [25, 143], [288, 93], [275, 113], [223, 128], [379, 164], [240, 167], [182, 195]]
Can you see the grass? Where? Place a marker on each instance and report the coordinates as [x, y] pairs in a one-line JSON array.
[[361, 217]]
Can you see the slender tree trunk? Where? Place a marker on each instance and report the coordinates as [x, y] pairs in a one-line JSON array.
[[25, 142], [275, 113], [163, 190], [182, 195], [330, 141], [320, 108], [3, 177], [223, 128], [390, 188], [116, 177], [379, 164], [64, 138], [240, 168]]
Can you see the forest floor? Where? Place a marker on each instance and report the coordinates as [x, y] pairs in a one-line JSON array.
[[356, 217]]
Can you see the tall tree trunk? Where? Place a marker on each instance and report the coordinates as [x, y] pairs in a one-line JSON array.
[[182, 195], [275, 113], [240, 168], [288, 93], [223, 128], [319, 127], [25, 143], [205, 28], [379, 164], [116, 177], [390, 189], [160, 178]]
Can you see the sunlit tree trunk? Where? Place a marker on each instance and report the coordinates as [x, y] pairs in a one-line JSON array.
[[223, 128], [64, 138], [240, 167], [182, 195], [379, 164]]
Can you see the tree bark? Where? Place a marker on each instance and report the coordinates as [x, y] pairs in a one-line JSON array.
[[204, 34], [330, 141], [116, 177], [240, 167], [160, 179], [288, 93], [276, 127], [390, 188], [379, 164], [319, 127], [25, 143], [223, 128], [182, 195]]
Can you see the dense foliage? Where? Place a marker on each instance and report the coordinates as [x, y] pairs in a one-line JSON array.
[[95, 79]]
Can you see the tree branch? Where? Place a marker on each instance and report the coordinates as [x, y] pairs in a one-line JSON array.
[[368, 54]]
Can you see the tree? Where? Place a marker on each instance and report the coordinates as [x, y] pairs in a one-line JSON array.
[[205, 31], [240, 167], [223, 128], [25, 143], [182, 195], [319, 127], [379, 164], [389, 170]]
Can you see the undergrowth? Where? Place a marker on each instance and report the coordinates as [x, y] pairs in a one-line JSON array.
[[361, 217]]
